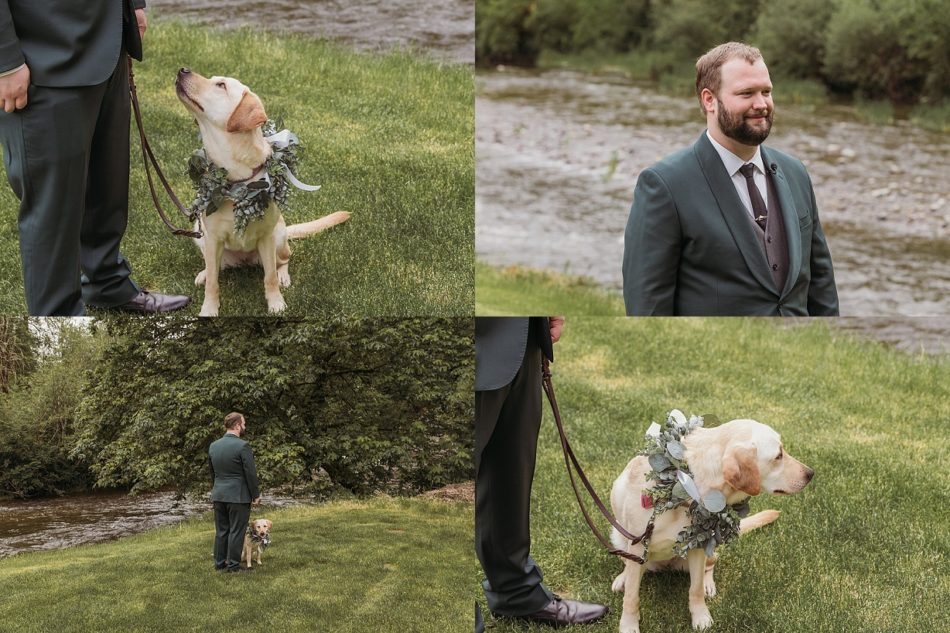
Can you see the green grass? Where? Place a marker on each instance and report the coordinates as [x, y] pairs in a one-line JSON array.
[[864, 548], [353, 566], [389, 137], [519, 290]]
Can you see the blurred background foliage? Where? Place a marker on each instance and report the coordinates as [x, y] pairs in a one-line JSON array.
[[897, 50], [356, 406]]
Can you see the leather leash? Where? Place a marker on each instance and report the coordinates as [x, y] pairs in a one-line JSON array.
[[571, 459], [148, 155]]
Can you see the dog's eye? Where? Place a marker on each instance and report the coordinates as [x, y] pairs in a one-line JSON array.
[[222, 85], [779, 456]]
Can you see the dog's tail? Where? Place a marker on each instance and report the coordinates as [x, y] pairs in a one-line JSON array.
[[757, 520], [297, 231]]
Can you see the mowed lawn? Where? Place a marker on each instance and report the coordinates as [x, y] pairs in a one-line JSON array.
[[389, 138], [864, 548], [355, 566]]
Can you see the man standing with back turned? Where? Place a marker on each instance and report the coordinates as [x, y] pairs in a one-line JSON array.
[[235, 488], [728, 227], [64, 127]]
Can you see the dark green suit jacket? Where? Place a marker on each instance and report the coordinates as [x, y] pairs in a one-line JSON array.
[[233, 471], [500, 344], [691, 249], [49, 34]]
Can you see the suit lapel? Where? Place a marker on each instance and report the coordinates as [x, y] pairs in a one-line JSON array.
[[793, 231], [733, 211]]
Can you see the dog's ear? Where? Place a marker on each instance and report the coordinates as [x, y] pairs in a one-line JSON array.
[[268, 523], [248, 115], [741, 470]]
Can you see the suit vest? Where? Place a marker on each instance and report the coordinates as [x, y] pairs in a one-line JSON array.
[[773, 239]]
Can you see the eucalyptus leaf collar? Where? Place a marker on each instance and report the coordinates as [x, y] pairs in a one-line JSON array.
[[712, 522], [263, 540], [270, 182]]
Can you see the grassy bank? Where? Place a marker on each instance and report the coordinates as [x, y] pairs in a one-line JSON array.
[[375, 565], [681, 82], [519, 290], [864, 548], [389, 137]]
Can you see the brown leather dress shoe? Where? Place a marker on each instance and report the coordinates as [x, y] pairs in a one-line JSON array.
[[154, 302], [565, 612]]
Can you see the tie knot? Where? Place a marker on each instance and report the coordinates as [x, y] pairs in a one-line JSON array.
[[747, 170]]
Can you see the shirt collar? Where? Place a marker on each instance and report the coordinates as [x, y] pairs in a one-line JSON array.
[[733, 162]]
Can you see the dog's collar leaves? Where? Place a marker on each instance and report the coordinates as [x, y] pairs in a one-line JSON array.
[[250, 198], [264, 541], [712, 522]]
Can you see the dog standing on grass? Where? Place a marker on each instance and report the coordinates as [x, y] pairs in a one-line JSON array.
[[230, 117], [256, 538]]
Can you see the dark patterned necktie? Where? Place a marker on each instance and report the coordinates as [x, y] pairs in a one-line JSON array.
[[758, 205]]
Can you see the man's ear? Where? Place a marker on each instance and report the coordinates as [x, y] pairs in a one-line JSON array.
[[248, 115], [741, 470]]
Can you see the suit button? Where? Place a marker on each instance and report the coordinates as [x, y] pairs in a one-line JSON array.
[[769, 239], [774, 266]]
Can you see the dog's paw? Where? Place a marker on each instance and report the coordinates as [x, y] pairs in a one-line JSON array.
[[283, 278], [702, 620], [200, 278], [710, 585], [629, 624], [276, 305], [617, 585], [208, 309]]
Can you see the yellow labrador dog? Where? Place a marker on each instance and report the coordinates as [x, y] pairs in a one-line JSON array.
[[257, 538], [741, 458], [230, 117]]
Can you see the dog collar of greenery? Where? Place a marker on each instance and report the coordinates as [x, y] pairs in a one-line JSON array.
[[251, 197], [712, 522], [264, 541]]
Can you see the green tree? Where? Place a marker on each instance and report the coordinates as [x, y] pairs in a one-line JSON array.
[[611, 25], [17, 354], [37, 416], [375, 404], [503, 32], [867, 50], [792, 36]]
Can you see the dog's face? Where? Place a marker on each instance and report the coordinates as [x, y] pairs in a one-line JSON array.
[[754, 461], [261, 527], [221, 102]]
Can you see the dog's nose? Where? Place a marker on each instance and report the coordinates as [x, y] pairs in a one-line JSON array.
[[809, 473], [184, 71]]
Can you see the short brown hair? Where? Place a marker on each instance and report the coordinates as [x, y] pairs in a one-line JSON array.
[[709, 66], [231, 420]]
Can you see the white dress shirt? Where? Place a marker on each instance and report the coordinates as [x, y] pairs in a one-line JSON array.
[[733, 163]]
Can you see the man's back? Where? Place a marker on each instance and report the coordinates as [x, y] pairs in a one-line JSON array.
[[232, 465]]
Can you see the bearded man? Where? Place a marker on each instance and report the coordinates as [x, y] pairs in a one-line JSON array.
[[728, 227]]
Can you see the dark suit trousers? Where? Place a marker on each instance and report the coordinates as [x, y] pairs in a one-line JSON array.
[[67, 159], [507, 422], [230, 525]]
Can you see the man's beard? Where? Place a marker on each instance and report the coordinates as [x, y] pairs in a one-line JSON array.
[[738, 129]]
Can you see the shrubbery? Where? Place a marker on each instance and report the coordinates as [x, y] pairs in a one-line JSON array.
[[890, 49], [361, 405]]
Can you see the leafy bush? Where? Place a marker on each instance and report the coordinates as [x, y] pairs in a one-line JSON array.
[[374, 404]]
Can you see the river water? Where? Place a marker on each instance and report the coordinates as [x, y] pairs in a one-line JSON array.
[[558, 155], [88, 518], [444, 29]]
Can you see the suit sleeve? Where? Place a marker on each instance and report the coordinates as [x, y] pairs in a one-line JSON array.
[[651, 251], [10, 54], [250, 471], [211, 468], [138, 4], [822, 291]]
